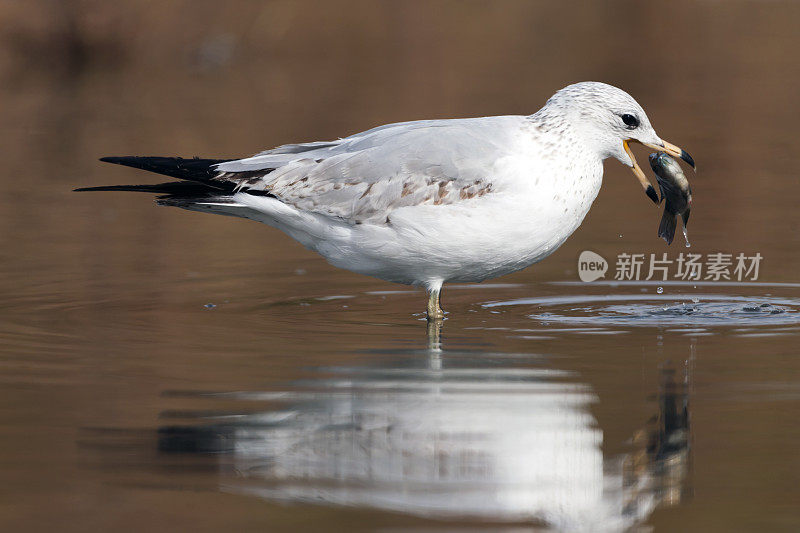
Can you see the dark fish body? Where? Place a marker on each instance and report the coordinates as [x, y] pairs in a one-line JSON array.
[[675, 193]]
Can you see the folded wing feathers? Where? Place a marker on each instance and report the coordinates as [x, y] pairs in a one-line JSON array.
[[364, 177]]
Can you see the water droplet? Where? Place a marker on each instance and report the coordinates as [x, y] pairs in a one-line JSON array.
[[660, 290], [696, 300], [210, 306], [686, 237]]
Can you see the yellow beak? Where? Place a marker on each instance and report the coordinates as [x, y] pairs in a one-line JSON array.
[[669, 148]]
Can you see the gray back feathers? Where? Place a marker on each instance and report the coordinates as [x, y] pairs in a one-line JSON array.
[[364, 177]]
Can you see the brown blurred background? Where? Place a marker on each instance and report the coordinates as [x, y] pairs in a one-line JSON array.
[[83, 79], [103, 294]]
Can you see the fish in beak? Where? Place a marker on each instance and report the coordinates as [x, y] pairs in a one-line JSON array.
[[665, 147]]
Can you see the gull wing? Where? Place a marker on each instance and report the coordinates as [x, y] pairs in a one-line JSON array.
[[363, 178]]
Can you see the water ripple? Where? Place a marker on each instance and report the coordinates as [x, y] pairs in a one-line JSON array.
[[687, 312]]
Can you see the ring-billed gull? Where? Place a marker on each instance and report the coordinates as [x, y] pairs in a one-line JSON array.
[[430, 201]]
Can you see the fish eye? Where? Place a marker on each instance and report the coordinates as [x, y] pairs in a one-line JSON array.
[[630, 120]]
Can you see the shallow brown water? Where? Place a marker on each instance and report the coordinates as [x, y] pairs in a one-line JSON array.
[[167, 370]]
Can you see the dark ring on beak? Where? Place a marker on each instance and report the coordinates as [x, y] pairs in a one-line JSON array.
[[689, 160], [674, 151]]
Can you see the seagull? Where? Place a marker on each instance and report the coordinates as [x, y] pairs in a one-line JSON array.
[[431, 201]]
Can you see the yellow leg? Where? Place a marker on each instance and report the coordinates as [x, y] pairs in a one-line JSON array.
[[435, 344], [434, 311]]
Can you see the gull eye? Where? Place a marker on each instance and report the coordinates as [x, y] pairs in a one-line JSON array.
[[631, 121]]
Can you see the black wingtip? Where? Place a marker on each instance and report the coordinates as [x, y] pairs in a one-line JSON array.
[[651, 193], [106, 188], [121, 160], [120, 188], [175, 188], [193, 169], [689, 159]]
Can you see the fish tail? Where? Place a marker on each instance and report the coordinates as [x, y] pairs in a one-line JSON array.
[[685, 216], [666, 230]]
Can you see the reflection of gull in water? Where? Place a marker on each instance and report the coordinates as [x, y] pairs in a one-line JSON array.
[[433, 446], [492, 443]]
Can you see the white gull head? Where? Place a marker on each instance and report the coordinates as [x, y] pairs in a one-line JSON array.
[[602, 116], [605, 120]]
